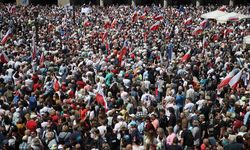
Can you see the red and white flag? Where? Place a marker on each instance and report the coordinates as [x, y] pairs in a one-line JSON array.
[[104, 36], [42, 59], [197, 31], [33, 48], [215, 37], [86, 23], [223, 8], [56, 85], [204, 43], [155, 26], [4, 58], [113, 24], [188, 21], [235, 80], [233, 18], [122, 53], [204, 23], [11, 9], [100, 99], [158, 17], [226, 80], [186, 56], [143, 17], [134, 17], [7, 36], [107, 25]]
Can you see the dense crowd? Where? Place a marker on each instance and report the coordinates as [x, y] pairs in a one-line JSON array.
[[106, 80]]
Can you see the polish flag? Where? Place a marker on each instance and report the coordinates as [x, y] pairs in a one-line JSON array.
[[204, 23], [233, 19], [223, 8], [215, 37], [188, 21], [7, 36], [235, 80], [227, 32], [86, 23], [226, 80], [197, 31], [204, 43], [42, 58], [11, 9], [34, 48], [155, 26], [122, 53], [101, 100], [158, 18], [113, 24], [104, 36], [145, 34], [143, 17], [4, 58], [134, 17], [186, 56]]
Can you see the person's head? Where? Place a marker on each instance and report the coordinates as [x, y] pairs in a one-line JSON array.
[[239, 139], [170, 130], [160, 133]]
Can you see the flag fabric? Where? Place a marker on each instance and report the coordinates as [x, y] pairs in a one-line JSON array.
[[188, 21], [186, 56], [227, 32], [122, 53], [235, 80], [113, 24], [33, 48], [155, 26], [100, 99], [223, 8], [107, 25], [204, 23], [56, 85], [4, 58], [215, 37], [11, 9], [226, 80], [233, 19], [143, 17], [42, 58], [204, 42], [197, 31], [7, 36], [134, 17], [104, 36], [145, 34], [158, 17], [86, 23]]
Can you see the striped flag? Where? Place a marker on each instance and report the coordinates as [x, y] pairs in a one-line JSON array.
[[56, 85], [197, 31], [4, 58], [204, 23], [186, 56], [155, 26], [143, 17], [223, 8], [235, 80], [113, 24], [104, 36], [86, 23], [188, 21], [7, 36], [134, 17], [226, 80]]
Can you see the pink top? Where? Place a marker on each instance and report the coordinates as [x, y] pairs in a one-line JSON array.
[[170, 139]]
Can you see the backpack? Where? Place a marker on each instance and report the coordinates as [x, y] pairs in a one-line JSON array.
[[188, 138]]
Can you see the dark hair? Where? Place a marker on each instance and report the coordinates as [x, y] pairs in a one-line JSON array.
[[239, 139]]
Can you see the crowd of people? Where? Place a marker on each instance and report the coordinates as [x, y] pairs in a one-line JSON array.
[[107, 80]]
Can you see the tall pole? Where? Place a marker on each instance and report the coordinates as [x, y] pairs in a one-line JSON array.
[[165, 4], [231, 2], [101, 3]]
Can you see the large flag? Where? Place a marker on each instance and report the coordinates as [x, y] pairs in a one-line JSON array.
[[155, 26], [158, 17], [42, 59], [235, 80], [113, 24], [4, 58], [7, 36], [226, 80], [33, 48], [188, 21], [186, 56], [100, 99]]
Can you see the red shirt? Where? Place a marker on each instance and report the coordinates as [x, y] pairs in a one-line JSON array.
[[31, 125]]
